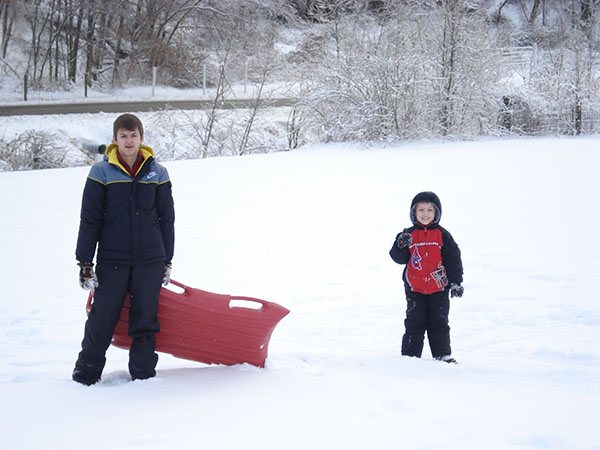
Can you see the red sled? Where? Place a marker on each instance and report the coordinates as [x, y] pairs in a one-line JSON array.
[[206, 327]]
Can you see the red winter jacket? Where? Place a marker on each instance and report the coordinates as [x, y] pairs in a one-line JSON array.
[[432, 259]]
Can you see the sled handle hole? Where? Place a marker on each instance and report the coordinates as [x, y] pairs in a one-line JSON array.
[[248, 303], [175, 287]]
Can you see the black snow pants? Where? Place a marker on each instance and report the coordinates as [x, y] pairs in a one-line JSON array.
[[426, 312], [143, 282]]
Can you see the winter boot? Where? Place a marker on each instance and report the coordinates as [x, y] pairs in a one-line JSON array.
[[84, 377], [88, 371], [447, 358]]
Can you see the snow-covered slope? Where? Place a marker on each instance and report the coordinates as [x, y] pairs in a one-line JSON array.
[[311, 230]]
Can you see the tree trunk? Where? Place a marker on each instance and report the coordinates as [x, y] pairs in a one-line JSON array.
[[502, 5], [534, 12], [116, 78], [73, 39], [578, 115], [449, 44], [8, 19], [89, 47]]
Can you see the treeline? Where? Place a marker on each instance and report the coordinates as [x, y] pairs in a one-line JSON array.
[[452, 68], [363, 69], [114, 42]]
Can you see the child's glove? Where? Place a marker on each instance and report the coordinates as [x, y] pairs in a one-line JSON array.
[[403, 239], [456, 290], [87, 278], [167, 276]]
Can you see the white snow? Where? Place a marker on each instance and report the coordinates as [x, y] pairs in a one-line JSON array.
[[311, 230]]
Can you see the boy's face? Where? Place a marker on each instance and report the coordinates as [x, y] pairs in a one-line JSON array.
[[128, 142], [425, 212]]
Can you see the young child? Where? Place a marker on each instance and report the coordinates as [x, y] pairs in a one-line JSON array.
[[433, 270], [127, 212]]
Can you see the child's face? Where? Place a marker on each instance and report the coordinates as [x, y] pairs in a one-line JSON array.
[[425, 212], [128, 142]]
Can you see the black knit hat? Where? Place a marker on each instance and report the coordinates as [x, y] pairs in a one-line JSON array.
[[429, 197]]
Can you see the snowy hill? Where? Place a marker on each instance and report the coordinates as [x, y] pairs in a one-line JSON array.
[[311, 230]]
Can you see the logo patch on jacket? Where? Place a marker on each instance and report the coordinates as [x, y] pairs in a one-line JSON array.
[[415, 259], [151, 175], [439, 276]]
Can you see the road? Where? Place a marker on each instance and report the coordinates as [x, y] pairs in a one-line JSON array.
[[133, 106]]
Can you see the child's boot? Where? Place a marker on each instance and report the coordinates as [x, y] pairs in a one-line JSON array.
[[446, 358]]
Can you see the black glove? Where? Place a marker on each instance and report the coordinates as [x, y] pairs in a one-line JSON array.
[[456, 290], [167, 275], [403, 239], [87, 278]]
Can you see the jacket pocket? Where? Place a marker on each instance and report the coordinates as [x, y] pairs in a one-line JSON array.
[[146, 196]]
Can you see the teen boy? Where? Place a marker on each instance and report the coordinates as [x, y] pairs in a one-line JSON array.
[[127, 212]]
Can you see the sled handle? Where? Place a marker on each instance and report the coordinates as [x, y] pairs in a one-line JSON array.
[[232, 297], [251, 299], [264, 303], [178, 284], [88, 305]]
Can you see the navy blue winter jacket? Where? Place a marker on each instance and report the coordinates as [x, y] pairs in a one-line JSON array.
[[130, 219]]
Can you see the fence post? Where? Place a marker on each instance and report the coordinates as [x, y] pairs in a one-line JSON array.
[[532, 63], [85, 83], [25, 88], [203, 79], [153, 79]]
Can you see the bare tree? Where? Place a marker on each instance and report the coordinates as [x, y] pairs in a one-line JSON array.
[[428, 69], [116, 74], [254, 110], [7, 17], [583, 17], [92, 17], [503, 3], [535, 10], [449, 48], [74, 17]]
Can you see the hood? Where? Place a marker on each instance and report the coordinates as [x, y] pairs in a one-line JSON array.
[[430, 197], [110, 154]]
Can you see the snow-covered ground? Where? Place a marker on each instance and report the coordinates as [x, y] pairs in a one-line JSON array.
[[311, 230]]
